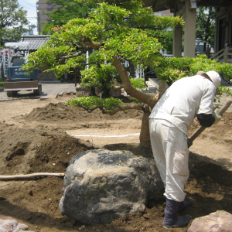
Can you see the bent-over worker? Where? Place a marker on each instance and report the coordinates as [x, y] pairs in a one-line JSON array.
[[168, 124]]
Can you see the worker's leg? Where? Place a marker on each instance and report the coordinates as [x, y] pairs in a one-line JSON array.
[[155, 127], [170, 151], [177, 173], [165, 138]]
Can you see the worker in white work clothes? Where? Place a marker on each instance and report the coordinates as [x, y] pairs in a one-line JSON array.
[[168, 123]]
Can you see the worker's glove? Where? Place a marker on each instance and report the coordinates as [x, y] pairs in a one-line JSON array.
[[217, 116]]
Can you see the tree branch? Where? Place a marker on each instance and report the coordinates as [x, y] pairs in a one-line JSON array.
[[108, 29], [143, 97], [94, 45], [126, 107], [70, 56]]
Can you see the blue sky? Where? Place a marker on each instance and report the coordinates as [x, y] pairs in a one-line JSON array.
[[30, 7]]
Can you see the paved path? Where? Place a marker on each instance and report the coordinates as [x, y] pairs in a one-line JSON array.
[[49, 90]]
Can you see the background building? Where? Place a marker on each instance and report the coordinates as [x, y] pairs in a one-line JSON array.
[[164, 12], [43, 7], [187, 10]]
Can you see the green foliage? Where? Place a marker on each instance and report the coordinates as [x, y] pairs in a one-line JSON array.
[[48, 28], [133, 45], [168, 42], [171, 69], [104, 72], [13, 19], [203, 63], [225, 69], [223, 90], [111, 103], [138, 83], [46, 57], [2, 83], [91, 103], [69, 10], [135, 100]]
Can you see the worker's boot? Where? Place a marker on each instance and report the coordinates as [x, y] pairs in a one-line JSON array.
[[171, 220], [183, 204]]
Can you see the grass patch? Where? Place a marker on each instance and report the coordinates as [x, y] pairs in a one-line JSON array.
[[91, 103], [2, 83]]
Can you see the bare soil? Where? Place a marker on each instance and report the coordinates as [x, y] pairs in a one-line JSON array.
[[35, 136]]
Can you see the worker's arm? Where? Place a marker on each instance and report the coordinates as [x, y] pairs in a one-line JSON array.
[[206, 120], [205, 113]]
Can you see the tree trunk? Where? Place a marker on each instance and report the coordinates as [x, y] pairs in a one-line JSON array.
[[144, 136], [132, 69], [92, 92], [145, 98]]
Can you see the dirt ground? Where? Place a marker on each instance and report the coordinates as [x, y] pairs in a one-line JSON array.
[[42, 136]]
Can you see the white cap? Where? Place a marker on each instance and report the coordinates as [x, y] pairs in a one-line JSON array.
[[214, 76]]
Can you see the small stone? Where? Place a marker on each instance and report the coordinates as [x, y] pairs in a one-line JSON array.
[[82, 227]]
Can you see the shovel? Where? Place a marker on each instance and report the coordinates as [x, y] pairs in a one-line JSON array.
[[201, 129]]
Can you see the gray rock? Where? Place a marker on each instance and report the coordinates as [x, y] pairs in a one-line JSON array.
[[82, 91], [219, 221], [102, 185]]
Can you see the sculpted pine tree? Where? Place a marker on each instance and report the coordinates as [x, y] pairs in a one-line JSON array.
[[112, 34]]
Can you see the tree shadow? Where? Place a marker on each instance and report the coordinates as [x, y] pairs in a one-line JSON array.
[[38, 218], [226, 163]]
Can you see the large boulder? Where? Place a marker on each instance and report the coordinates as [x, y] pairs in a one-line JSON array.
[[219, 221], [102, 185]]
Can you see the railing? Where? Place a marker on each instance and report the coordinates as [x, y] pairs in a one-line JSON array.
[[223, 56], [167, 55]]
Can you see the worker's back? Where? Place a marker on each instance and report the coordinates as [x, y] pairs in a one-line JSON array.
[[184, 99]]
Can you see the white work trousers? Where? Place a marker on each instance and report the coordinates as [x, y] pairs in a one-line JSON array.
[[170, 151]]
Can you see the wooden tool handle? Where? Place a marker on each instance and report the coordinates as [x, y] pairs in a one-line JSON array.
[[225, 106], [201, 129]]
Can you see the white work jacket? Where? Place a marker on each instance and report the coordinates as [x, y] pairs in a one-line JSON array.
[[184, 99]]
